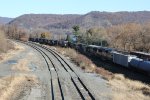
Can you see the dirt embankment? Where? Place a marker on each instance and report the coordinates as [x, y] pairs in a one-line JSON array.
[[123, 88]]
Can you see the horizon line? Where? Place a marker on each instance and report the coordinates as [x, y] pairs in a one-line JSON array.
[[75, 13]]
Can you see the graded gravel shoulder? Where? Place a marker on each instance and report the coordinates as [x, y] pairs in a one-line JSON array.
[[24, 75]]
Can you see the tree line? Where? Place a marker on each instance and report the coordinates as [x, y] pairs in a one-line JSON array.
[[127, 37]]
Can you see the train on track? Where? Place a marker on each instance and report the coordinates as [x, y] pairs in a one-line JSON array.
[[134, 60]]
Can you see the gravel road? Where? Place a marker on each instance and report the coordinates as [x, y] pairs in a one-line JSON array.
[[26, 76]]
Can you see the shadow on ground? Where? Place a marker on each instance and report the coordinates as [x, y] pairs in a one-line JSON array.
[[117, 69]]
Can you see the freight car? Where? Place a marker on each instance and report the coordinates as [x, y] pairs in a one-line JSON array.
[[63, 43], [141, 55], [140, 64], [80, 47], [104, 53], [50, 42], [92, 50], [122, 59]]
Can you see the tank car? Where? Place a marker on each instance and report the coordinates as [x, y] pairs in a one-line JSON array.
[[140, 64]]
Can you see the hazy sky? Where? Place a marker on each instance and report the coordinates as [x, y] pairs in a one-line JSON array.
[[14, 8]]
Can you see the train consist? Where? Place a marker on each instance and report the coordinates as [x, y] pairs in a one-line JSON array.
[[135, 60]]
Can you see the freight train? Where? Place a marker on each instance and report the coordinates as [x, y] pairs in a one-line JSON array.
[[135, 60]]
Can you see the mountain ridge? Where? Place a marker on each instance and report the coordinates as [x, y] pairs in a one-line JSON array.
[[5, 20], [58, 23]]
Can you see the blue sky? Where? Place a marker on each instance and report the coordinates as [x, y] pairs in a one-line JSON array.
[[14, 8]]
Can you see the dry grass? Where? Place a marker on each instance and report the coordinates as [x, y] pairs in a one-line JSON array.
[[126, 89], [3, 42], [79, 59], [22, 64], [12, 87], [84, 62], [5, 45], [105, 73], [123, 88], [14, 50], [25, 39]]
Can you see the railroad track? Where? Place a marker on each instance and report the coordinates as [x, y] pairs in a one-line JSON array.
[[66, 84]]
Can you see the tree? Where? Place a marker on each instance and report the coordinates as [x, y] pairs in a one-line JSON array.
[[96, 36], [68, 38], [12, 31], [76, 32], [89, 34], [43, 35]]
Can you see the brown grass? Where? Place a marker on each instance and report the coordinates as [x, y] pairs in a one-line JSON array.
[[16, 48], [79, 59], [25, 39], [84, 62], [12, 87], [3, 42], [21, 66], [127, 89], [105, 73]]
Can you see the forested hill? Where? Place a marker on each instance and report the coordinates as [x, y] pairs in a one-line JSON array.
[[5, 20], [57, 22], [41, 20]]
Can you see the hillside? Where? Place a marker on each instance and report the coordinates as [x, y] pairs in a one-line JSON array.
[[64, 23], [5, 20], [39, 20], [97, 19]]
